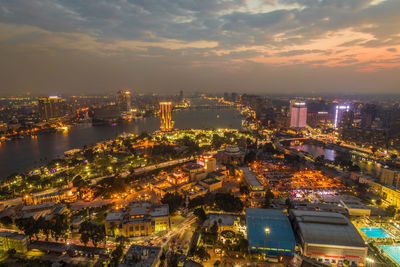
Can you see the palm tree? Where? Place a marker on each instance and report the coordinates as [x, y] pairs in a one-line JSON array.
[[202, 254]]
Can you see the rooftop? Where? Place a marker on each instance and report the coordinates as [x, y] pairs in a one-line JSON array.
[[12, 235], [140, 256], [193, 166], [210, 180], [222, 219], [280, 234], [329, 228], [252, 178], [114, 216], [160, 211]]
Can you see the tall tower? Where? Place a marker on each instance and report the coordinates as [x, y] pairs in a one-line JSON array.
[[165, 116], [298, 114], [181, 96], [51, 107], [340, 111], [124, 101]]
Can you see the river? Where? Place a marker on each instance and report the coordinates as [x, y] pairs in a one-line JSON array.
[[26, 153], [368, 167]]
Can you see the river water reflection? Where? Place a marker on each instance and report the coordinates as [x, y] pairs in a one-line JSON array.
[[19, 155], [367, 167]]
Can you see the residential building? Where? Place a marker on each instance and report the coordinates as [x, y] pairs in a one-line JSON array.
[[13, 240], [390, 177]]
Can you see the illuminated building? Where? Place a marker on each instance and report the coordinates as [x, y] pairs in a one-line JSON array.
[[178, 177], [231, 155], [139, 219], [298, 114], [328, 237], [255, 186], [124, 101], [208, 162], [68, 195], [390, 177], [269, 232], [13, 240], [51, 107], [165, 116], [339, 112]]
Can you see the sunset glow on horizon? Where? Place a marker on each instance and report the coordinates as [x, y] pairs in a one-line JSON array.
[[210, 45]]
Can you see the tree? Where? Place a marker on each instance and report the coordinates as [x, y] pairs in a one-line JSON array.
[[228, 202], [6, 221], [163, 256], [269, 196], [122, 240], [319, 160], [172, 259], [214, 228], [390, 211], [244, 190], [174, 201], [28, 225], [202, 254], [93, 232], [116, 255], [11, 252], [243, 245], [269, 148], [201, 215], [59, 226]]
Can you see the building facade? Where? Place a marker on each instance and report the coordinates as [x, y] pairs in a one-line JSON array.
[[166, 116], [138, 219], [124, 101], [12, 240], [298, 114], [51, 107], [328, 237]]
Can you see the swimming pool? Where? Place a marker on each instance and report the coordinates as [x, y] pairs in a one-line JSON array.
[[374, 232], [393, 251]]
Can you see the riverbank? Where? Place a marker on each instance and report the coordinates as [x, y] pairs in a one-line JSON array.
[[30, 152]]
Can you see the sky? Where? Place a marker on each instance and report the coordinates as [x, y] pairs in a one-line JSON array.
[[164, 46]]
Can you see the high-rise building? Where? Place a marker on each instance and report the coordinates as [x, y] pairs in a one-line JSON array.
[[181, 96], [339, 112], [51, 107], [165, 116], [124, 101], [298, 114]]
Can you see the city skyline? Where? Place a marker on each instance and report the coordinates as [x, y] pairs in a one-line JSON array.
[[285, 46]]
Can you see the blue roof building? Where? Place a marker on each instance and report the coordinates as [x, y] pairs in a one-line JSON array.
[[277, 240]]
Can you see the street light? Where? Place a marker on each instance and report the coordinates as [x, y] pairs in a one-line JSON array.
[[267, 232]]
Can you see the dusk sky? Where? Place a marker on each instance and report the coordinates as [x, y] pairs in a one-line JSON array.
[[254, 46]]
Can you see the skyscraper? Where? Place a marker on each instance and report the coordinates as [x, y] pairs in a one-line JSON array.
[[181, 96], [124, 101], [298, 114], [51, 107], [339, 112], [165, 116]]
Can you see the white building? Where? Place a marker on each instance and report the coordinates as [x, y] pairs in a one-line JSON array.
[[298, 114], [328, 237]]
